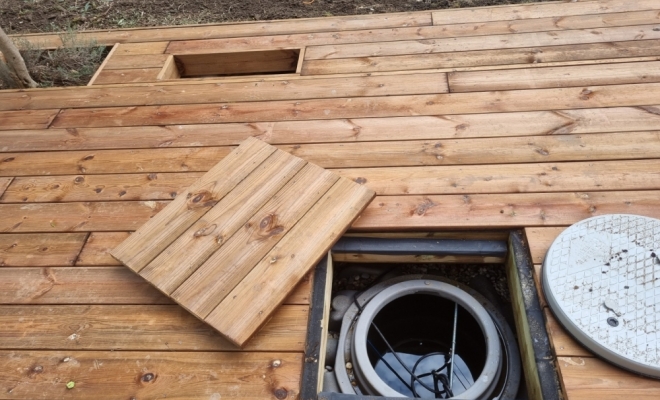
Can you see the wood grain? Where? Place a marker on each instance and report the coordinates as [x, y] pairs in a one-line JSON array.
[[533, 78], [266, 286], [540, 239], [4, 184], [513, 178], [540, 10], [186, 209], [590, 378], [562, 343], [139, 328], [40, 250], [455, 29], [533, 123], [115, 374], [361, 107], [144, 37], [223, 270], [75, 285], [27, 119], [132, 62], [516, 40], [191, 248], [109, 187], [94, 285], [502, 210], [141, 48], [112, 161], [127, 75], [96, 250], [201, 92], [77, 217], [527, 57]]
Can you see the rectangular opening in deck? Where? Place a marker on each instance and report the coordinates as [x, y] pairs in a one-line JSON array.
[[235, 64]]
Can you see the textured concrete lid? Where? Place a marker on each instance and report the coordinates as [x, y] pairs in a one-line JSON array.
[[601, 279]]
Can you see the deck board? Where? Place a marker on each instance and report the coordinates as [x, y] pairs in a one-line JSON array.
[[529, 116]]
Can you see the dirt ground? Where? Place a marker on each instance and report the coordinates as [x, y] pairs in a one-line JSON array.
[[26, 16]]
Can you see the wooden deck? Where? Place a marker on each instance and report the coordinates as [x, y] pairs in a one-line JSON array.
[[532, 116]]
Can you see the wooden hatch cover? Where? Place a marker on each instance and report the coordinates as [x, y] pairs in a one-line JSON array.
[[232, 246]]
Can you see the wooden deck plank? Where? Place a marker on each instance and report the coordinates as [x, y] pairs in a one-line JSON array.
[[534, 123], [77, 217], [94, 285], [501, 210], [533, 78], [362, 107], [141, 48], [528, 56], [75, 285], [386, 181], [128, 75], [133, 62], [541, 10], [27, 119], [40, 250], [125, 328], [4, 184], [513, 178], [540, 239], [216, 276], [562, 343], [112, 374], [96, 250], [472, 43], [242, 29], [186, 252], [151, 240], [590, 378], [200, 93], [594, 147], [266, 286], [385, 213], [113, 161], [456, 29], [152, 186]]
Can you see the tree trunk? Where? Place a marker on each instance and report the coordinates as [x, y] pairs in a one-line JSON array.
[[15, 61]]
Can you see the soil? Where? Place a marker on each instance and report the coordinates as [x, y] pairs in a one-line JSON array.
[[31, 16]]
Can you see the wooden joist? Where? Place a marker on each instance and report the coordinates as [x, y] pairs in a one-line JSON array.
[[132, 62], [40, 250], [535, 123], [362, 107], [528, 56], [139, 328], [540, 239], [533, 78], [510, 41], [93, 285], [125, 374], [200, 93]]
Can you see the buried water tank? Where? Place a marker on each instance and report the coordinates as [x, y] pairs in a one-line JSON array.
[[425, 337]]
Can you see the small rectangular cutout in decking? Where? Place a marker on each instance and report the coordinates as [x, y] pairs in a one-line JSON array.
[[283, 61], [235, 244]]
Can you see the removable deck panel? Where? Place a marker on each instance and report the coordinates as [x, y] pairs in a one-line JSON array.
[[234, 244]]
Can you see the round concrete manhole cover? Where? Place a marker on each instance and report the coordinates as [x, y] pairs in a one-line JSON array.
[[601, 278]]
